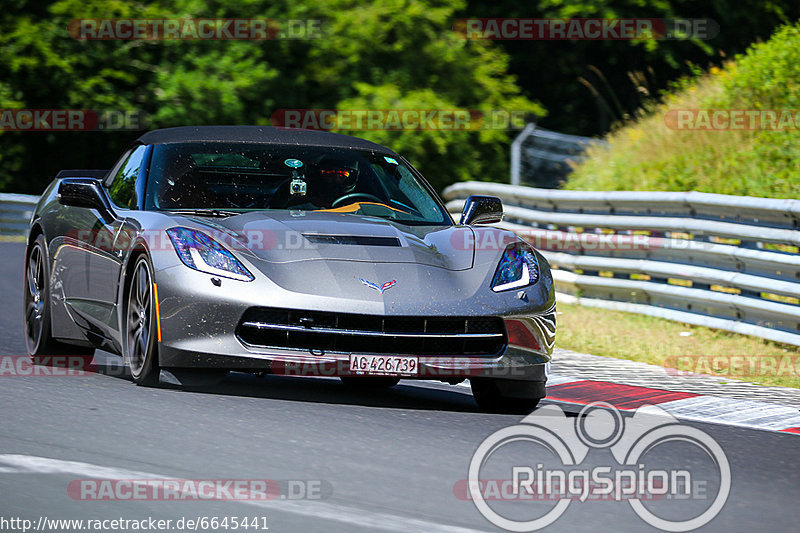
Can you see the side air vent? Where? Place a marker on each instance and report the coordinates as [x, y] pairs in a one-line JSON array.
[[357, 240]]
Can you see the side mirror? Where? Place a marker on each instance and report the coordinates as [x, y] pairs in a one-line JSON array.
[[482, 210], [85, 192]]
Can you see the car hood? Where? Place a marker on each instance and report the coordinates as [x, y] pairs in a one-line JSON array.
[[293, 236]]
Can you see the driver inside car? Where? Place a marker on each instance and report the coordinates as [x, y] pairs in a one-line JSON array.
[[330, 183], [332, 180]]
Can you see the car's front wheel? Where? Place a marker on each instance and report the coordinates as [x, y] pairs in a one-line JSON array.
[[506, 396], [140, 325]]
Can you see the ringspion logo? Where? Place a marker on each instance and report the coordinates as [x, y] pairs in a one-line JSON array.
[[656, 489]]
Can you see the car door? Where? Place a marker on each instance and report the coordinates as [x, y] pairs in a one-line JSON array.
[[90, 261]]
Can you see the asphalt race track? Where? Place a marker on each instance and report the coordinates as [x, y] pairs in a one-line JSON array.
[[386, 461]]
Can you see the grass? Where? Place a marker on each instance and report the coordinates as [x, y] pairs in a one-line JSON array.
[[649, 154], [662, 342]]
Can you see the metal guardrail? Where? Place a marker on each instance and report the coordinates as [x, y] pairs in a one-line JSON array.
[[727, 262], [15, 213]]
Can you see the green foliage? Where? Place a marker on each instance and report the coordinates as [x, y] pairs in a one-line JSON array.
[[768, 76], [386, 54], [590, 85], [393, 54], [646, 154], [449, 155]]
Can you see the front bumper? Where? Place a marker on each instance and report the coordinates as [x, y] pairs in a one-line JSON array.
[[198, 321]]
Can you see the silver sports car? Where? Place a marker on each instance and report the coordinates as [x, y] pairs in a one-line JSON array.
[[212, 249]]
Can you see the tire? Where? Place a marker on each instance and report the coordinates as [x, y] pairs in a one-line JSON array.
[[140, 324], [38, 340], [490, 399], [369, 382]]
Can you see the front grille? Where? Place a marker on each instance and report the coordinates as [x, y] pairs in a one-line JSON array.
[[375, 334]]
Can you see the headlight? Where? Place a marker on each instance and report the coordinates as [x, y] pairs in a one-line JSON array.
[[518, 268], [200, 252]]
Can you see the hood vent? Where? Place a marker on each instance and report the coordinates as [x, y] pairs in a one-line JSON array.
[[357, 240]]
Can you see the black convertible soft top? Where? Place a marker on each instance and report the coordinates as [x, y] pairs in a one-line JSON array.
[[258, 134]]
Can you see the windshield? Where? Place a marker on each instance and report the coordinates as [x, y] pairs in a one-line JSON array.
[[233, 178]]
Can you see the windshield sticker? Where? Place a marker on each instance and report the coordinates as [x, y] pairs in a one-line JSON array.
[[293, 163], [390, 160]]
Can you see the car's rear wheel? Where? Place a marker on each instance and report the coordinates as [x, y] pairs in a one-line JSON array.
[[370, 382], [38, 339], [140, 325], [490, 398]]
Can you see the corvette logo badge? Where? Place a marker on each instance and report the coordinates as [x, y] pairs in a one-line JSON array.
[[379, 288]]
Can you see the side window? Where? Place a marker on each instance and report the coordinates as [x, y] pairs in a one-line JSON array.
[[122, 187]]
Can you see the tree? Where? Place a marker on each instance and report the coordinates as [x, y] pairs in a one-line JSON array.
[[396, 54]]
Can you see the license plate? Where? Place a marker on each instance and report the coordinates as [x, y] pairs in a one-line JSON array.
[[384, 365]]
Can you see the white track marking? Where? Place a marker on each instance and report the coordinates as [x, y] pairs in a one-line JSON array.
[[757, 415], [557, 379], [30, 464]]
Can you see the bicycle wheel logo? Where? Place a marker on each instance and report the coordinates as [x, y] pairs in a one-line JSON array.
[[632, 442]]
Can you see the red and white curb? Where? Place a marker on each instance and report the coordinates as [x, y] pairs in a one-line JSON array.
[[682, 405]]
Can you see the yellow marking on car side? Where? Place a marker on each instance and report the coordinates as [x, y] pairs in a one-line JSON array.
[[158, 314]]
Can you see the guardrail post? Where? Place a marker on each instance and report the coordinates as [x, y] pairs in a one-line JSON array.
[[516, 149]]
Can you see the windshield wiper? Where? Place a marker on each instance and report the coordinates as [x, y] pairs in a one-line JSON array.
[[218, 213]]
